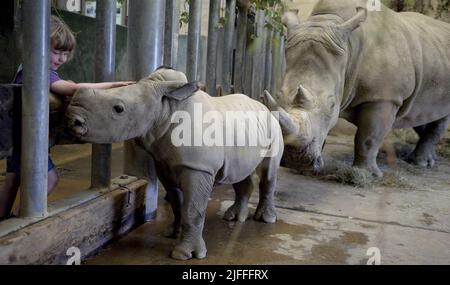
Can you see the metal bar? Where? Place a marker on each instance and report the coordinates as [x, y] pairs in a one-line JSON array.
[[105, 52], [124, 13], [144, 48], [258, 56], [83, 7], [145, 36], [193, 41], [276, 63], [211, 55], [171, 31], [17, 32], [230, 15], [239, 74], [35, 108], [268, 65], [254, 56]]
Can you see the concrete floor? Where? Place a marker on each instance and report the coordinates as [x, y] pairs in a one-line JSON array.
[[319, 221]]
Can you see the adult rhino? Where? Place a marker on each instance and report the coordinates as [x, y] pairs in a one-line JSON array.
[[146, 112], [379, 70]]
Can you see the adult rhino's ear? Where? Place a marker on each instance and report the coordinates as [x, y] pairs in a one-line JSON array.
[[181, 90], [355, 21], [290, 19]]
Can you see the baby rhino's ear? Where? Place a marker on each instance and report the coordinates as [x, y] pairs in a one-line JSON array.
[[183, 92]]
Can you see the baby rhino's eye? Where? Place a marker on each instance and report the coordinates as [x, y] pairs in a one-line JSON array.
[[118, 108]]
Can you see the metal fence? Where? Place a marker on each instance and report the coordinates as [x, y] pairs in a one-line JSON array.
[[248, 60]]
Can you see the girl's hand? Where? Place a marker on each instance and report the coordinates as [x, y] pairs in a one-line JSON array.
[[122, 83]]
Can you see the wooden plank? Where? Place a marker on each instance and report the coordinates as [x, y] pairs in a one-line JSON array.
[[87, 226]]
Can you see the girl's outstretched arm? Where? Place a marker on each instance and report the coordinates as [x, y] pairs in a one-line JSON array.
[[68, 88]]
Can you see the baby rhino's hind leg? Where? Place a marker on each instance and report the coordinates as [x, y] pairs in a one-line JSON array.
[[268, 180], [243, 190]]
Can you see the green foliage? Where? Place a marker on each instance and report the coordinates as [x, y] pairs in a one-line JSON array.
[[273, 9], [184, 17]]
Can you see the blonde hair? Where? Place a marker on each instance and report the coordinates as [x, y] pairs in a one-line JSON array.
[[61, 37]]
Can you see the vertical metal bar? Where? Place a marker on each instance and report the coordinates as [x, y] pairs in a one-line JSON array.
[[83, 7], [249, 52], [282, 55], [259, 57], [213, 37], [193, 41], [17, 31], [171, 31], [105, 52], [35, 108], [144, 48], [230, 15], [145, 36], [276, 63], [124, 13], [268, 67], [256, 57], [239, 74]]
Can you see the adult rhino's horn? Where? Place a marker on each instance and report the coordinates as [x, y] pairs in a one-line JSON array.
[[288, 125], [304, 98], [355, 21]]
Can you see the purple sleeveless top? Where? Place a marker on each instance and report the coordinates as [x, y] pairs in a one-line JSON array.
[[53, 76]]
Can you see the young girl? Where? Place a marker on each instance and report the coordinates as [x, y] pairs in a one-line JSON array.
[[62, 43]]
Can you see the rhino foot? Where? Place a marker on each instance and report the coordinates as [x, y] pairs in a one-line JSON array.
[[372, 168], [236, 212], [185, 251], [266, 214], [424, 160]]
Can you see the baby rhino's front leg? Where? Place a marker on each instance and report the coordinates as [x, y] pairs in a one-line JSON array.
[[196, 187]]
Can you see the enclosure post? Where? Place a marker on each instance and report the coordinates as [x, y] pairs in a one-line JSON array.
[[144, 48], [171, 31], [17, 32], [254, 58], [104, 71], [193, 41], [276, 63], [239, 74], [258, 57], [211, 56], [230, 15], [83, 7], [268, 67], [35, 108]]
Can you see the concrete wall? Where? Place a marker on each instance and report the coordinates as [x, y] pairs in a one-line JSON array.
[[81, 67]]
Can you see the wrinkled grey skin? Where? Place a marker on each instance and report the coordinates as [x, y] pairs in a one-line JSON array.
[[143, 111], [378, 70]]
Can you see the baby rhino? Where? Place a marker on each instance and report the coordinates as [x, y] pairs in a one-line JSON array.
[[197, 141]]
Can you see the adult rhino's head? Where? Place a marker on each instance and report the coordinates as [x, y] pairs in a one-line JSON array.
[[112, 115], [317, 58]]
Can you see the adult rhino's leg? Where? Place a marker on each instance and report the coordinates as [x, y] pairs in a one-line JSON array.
[[243, 190], [196, 187], [265, 211], [374, 120], [429, 135]]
